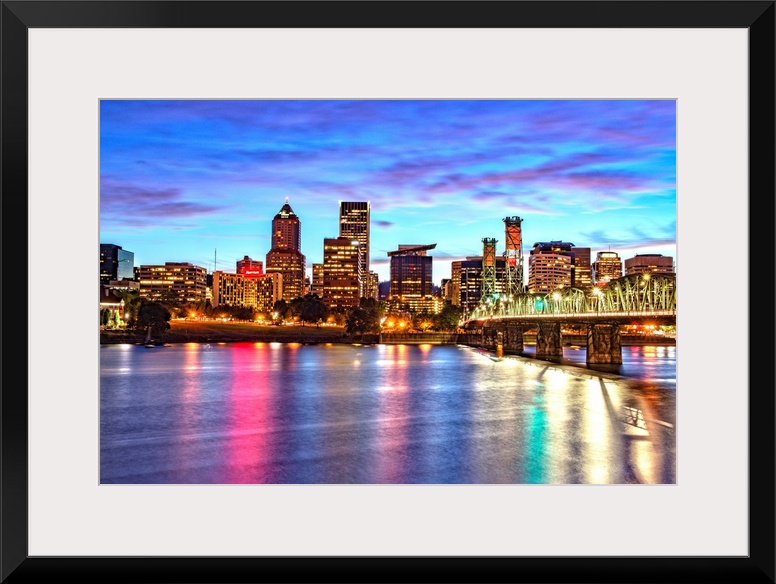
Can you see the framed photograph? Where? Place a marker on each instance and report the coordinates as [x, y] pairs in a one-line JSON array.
[[191, 128]]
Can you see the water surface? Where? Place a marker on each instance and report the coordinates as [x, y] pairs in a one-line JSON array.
[[233, 413]]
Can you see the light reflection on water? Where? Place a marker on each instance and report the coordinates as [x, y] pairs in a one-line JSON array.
[[387, 414]]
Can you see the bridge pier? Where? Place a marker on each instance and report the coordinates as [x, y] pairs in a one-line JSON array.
[[513, 339], [603, 344], [473, 339], [548, 341], [489, 337]]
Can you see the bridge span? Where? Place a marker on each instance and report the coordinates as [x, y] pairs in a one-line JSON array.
[[499, 322]]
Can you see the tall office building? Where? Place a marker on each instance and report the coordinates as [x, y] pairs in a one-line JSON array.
[[557, 264], [550, 266], [354, 224], [466, 282], [581, 269], [259, 292], [233, 290], [178, 281], [341, 269], [653, 263], [285, 257], [607, 267], [116, 263], [269, 289], [317, 283], [374, 284], [446, 289], [411, 276]]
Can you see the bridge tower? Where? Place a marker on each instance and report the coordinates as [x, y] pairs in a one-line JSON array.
[[488, 269], [513, 256]]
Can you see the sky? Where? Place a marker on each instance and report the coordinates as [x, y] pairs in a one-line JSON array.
[[200, 181]]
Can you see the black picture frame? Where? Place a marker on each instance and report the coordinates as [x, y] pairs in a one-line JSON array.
[[19, 16]]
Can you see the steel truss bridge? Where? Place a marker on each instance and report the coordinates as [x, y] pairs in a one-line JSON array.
[[499, 321]]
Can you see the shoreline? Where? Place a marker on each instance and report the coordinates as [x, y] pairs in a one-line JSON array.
[[316, 338]]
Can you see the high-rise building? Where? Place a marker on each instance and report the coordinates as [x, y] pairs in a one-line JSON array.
[[317, 283], [259, 292], [233, 290], [269, 289], [447, 288], [466, 282], [411, 276], [175, 281], [341, 270], [374, 285], [607, 267], [116, 263], [557, 264], [550, 266], [354, 224], [285, 257], [581, 269], [250, 268], [653, 263]]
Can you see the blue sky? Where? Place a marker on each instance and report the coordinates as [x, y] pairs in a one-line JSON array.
[[187, 181]]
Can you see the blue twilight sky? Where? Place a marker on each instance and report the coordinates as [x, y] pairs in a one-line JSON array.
[[194, 180]]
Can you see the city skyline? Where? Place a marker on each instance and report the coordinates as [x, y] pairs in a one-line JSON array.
[[196, 180]]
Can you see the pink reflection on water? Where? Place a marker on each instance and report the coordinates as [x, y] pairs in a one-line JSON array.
[[249, 411], [188, 420], [393, 415]]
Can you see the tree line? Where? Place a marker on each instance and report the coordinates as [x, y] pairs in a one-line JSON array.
[[368, 317]]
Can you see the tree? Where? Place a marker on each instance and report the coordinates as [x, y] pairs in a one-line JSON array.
[[312, 309], [364, 319], [153, 317], [448, 317], [132, 303], [242, 312], [421, 320], [104, 316], [281, 308], [357, 322], [340, 317]]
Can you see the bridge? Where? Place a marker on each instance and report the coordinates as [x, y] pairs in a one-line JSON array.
[[499, 321]]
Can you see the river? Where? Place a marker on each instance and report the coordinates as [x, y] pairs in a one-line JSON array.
[[271, 413]]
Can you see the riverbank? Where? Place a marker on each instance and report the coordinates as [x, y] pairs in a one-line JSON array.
[[237, 332]]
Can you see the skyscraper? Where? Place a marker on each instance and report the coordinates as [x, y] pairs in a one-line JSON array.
[[607, 267], [354, 224], [317, 283], [582, 270], [115, 263], [411, 276], [341, 268], [466, 282], [285, 257], [550, 266]]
